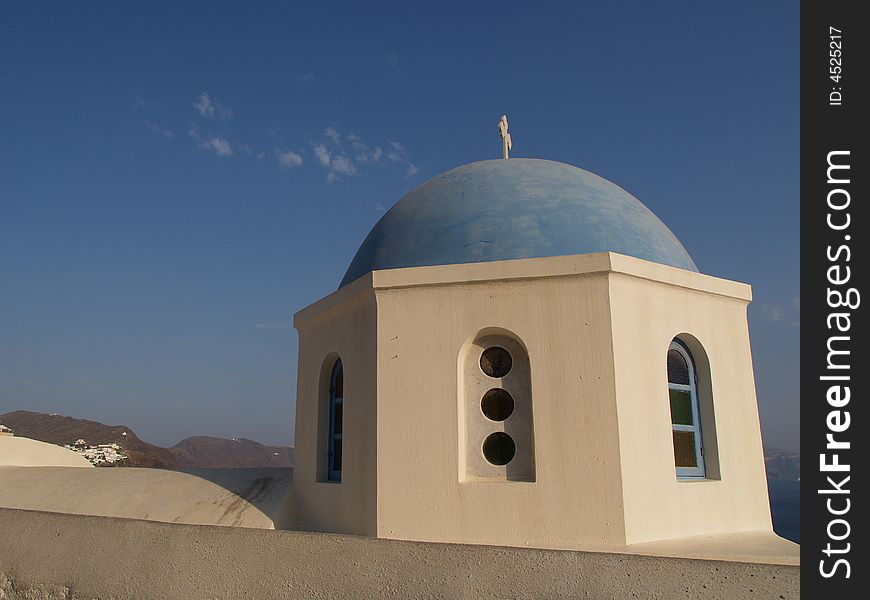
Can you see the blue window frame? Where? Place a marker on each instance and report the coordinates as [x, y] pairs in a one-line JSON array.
[[336, 412]]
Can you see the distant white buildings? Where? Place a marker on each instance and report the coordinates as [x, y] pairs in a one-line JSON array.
[[97, 454]]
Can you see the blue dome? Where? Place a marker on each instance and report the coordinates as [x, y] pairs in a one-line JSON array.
[[516, 208]]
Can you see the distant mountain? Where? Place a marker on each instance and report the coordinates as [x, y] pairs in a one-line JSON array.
[[781, 464], [193, 452], [220, 453], [61, 430]]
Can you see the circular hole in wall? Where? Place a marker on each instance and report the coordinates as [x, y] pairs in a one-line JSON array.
[[497, 404], [496, 362], [499, 448]]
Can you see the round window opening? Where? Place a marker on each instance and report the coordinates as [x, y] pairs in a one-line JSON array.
[[496, 362], [499, 448], [497, 404]]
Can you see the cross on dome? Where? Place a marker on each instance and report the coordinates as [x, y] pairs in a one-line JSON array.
[[505, 136]]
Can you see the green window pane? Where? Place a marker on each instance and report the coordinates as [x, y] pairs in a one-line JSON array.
[[684, 449], [681, 407]]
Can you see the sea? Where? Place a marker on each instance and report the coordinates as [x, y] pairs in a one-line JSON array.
[[785, 507]]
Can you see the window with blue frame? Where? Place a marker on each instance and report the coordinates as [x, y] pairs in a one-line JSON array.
[[336, 398], [685, 417]]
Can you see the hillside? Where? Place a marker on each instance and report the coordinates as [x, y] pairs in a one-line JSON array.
[[193, 452], [58, 429], [221, 453]]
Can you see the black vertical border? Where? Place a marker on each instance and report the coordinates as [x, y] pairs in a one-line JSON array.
[[826, 128]]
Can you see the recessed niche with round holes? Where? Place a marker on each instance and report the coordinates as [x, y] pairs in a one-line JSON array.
[[496, 421], [496, 362], [499, 448], [497, 404]]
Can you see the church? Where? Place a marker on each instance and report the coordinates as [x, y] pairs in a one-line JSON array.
[[522, 354], [521, 358]]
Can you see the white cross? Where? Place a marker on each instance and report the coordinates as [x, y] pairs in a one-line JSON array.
[[505, 136]]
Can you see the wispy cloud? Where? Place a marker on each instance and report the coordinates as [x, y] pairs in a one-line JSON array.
[[288, 159], [217, 144], [247, 150], [772, 312], [348, 154], [322, 154], [159, 130], [393, 60], [209, 107], [362, 152], [342, 164], [398, 154], [305, 78], [333, 136], [341, 154], [787, 314], [204, 105], [335, 162]]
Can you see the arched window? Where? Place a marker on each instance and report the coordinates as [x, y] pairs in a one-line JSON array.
[[336, 397], [685, 416], [496, 432]]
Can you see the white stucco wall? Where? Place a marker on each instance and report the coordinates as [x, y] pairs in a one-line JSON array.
[[71, 556], [342, 325], [733, 497], [596, 328], [565, 325]]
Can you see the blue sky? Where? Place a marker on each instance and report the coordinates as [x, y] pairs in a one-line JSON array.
[[177, 179]]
